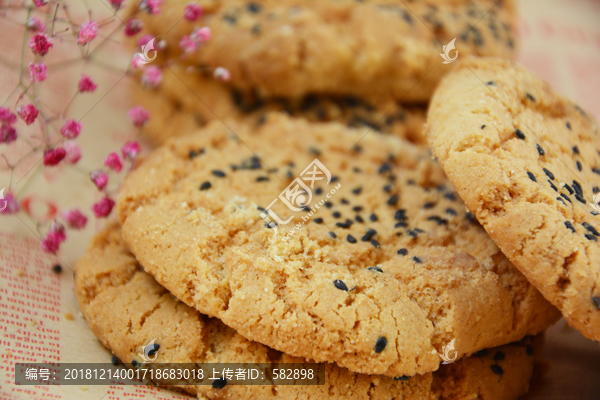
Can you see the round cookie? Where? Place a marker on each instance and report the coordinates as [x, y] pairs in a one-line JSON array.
[[525, 160], [370, 49], [125, 308], [186, 101], [385, 273]]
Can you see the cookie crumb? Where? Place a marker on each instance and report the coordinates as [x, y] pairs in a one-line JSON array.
[[69, 316]]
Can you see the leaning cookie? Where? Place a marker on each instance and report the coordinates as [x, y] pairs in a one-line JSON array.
[[126, 308], [185, 101], [365, 49], [366, 257], [525, 160]]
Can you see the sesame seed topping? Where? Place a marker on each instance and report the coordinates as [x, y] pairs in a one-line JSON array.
[[412, 233], [531, 176], [428, 205], [401, 224], [340, 285], [329, 204], [318, 220], [450, 211], [491, 83], [402, 252], [318, 191], [497, 369], [590, 237], [520, 134], [552, 185], [369, 235], [579, 167], [569, 225], [483, 126], [596, 301], [499, 356], [336, 214], [540, 150], [134, 363], [550, 174], [357, 208], [375, 243], [569, 188], [335, 178], [333, 235], [345, 225], [219, 383], [470, 216], [57, 268], [358, 190], [206, 185], [393, 200], [385, 167], [568, 125], [590, 228], [387, 188], [580, 198], [194, 153], [351, 239], [481, 353], [596, 170], [417, 260], [218, 173], [377, 269], [561, 200], [530, 97], [564, 196], [359, 219], [262, 179], [577, 187], [344, 201], [380, 345], [450, 196], [596, 189], [400, 215], [438, 220], [373, 217], [575, 149], [402, 378], [115, 360]]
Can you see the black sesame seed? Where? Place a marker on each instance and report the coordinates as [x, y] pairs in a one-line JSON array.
[[335, 178], [344, 201], [579, 167], [419, 230], [596, 189], [428, 205], [529, 350], [530, 97], [373, 217], [219, 383], [345, 225], [575, 149], [336, 214], [450, 211], [412, 233], [564, 196], [531, 176], [561, 200], [359, 219], [357, 208], [256, 29], [318, 191], [385, 167], [438, 220], [329, 204], [590, 228], [134, 363], [254, 7], [550, 174], [393, 200], [450, 196], [351, 239], [402, 252], [569, 225], [380, 345], [262, 179], [497, 369], [306, 208], [400, 215], [569, 127], [483, 126], [594, 212], [520, 134], [481, 353], [375, 243], [377, 269], [596, 170], [218, 173], [194, 153], [387, 188], [569, 188], [491, 83], [230, 19], [154, 349], [333, 235], [402, 378], [340, 285], [596, 301], [540, 150], [590, 237], [552, 185], [318, 220], [206, 185], [499, 356], [417, 260], [56, 268], [115, 360], [358, 190], [401, 224], [580, 198], [369, 235], [577, 187], [470, 216]]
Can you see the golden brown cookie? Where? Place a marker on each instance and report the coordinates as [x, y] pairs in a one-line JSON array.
[[526, 161], [369, 49], [377, 272], [126, 308], [186, 101]]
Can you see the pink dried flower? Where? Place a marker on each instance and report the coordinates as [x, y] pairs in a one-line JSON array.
[[28, 113], [9, 204], [40, 44], [116, 3], [73, 152], [35, 25], [39, 3], [103, 207], [222, 74], [74, 218], [53, 156], [130, 150], [152, 76], [71, 129], [37, 72], [100, 178], [133, 26], [188, 45], [137, 62], [144, 39], [56, 235], [113, 161], [8, 134], [151, 6], [87, 31], [192, 12], [201, 34], [7, 116], [86, 84], [139, 116]]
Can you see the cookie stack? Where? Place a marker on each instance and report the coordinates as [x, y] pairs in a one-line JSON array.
[[295, 213]]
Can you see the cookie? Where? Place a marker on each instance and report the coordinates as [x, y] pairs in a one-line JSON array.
[[364, 49], [377, 272], [185, 101], [126, 308], [525, 160]]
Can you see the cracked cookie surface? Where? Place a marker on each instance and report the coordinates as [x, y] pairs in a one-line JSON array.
[[381, 270], [126, 308], [526, 162]]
